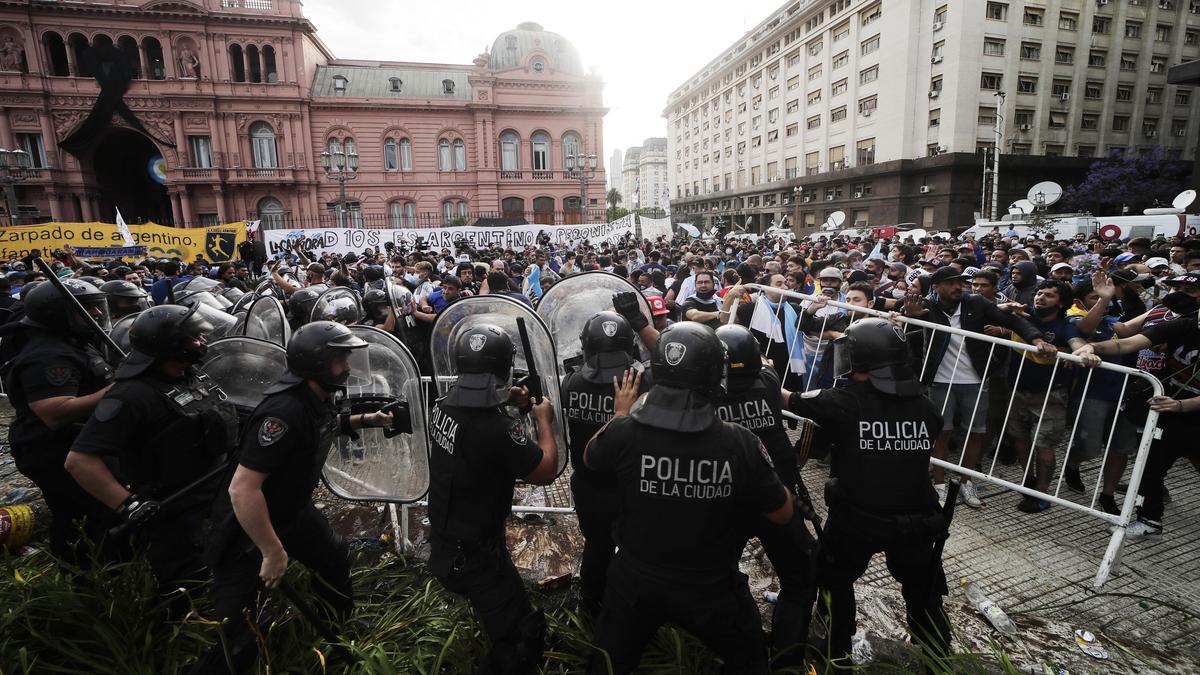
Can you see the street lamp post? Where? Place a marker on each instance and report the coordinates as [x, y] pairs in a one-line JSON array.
[[13, 164], [340, 166], [584, 168]]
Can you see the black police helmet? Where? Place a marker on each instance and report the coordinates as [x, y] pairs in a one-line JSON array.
[[608, 346], [375, 303], [163, 332], [315, 346], [689, 355], [878, 348], [372, 273], [28, 288], [743, 355], [124, 298], [46, 307], [483, 357], [123, 289], [300, 304]]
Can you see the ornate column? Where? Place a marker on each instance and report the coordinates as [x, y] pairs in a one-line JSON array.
[[185, 207], [181, 142], [6, 134], [85, 207], [142, 60], [71, 60], [222, 212], [49, 140], [55, 206], [176, 210]]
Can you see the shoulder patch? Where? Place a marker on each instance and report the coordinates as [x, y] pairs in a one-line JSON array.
[[762, 450], [108, 409], [272, 429], [59, 375], [516, 432]]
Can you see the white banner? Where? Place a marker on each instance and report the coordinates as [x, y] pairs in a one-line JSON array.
[[355, 239], [653, 228]]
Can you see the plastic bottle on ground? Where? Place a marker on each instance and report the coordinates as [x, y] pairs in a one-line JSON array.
[[991, 611]]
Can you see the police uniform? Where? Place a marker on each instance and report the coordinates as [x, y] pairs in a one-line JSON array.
[[879, 499], [42, 364], [165, 433]]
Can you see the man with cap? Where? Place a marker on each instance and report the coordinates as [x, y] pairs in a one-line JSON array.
[[54, 378], [267, 515], [878, 495], [956, 368], [689, 482], [478, 452], [166, 425], [1063, 272], [1160, 268], [609, 349]]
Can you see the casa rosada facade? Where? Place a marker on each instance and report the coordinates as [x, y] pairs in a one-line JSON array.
[[197, 112]]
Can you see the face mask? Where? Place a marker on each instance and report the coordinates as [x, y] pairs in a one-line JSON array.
[[1180, 302], [1045, 312], [899, 293], [411, 278], [705, 295]]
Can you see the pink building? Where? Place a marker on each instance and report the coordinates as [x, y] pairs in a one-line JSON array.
[[199, 112]]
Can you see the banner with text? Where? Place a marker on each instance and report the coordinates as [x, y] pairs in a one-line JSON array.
[[344, 240], [653, 228], [218, 243]]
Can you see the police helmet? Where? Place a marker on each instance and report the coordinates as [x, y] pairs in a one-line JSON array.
[[93, 280], [314, 348], [608, 346], [372, 273], [689, 355], [338, 304], [27, 288], [743, 356], [300, 304], [124, 298], [164, 332], [483, 359], [375, 304], [878, 348], [46, 307]]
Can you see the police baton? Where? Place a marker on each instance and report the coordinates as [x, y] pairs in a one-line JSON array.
[[152, 508], [532, 382], [75, 306], [316, 621], [952, 489]]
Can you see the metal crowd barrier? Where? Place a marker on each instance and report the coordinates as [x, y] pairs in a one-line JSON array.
[[1149, 431]]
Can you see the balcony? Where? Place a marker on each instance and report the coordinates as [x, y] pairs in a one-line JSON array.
[[197, 173], [512, 175], [259, 175]]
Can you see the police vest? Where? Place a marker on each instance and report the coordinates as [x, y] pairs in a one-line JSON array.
[[40, 348], [588, 406], [757, 408]]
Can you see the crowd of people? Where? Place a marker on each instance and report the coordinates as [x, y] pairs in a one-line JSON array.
[[740, 329]]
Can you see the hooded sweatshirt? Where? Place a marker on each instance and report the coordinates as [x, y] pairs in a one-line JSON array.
[[1024, 291]]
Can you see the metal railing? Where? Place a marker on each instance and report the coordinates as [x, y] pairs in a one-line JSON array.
[[1148, 426]]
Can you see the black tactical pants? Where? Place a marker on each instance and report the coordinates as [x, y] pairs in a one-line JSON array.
[[636, 603], [238, 594], [1178, 440], [847, 548], [792, 552], [484, 574], [69, 504], [597, 510]]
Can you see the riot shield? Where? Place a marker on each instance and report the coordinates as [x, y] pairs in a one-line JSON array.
[[243, 303], [568, 305], [375, 467], [244, 367], [120, 334], [222, 321], [406, 324], [265, 320], [502, 311], [338, 304]]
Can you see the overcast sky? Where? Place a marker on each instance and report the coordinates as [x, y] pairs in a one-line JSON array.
[[642, 48]]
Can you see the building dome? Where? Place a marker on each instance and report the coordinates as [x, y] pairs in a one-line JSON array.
[[512, 49]]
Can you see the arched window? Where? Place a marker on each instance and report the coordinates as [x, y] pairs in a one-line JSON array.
[[513, 207], [333, 146], [406, 155], [403, 214], [129, 49], [543, 210], [460, 155], [571, 146], [56, 54], [102, 41], [268, 57], [255, 74], [541, 151], [453, 210], [237, 63], [262, 146], [154, 58], [510, 152], [444, 161], [270, 212], [79, 48], [391, 155]]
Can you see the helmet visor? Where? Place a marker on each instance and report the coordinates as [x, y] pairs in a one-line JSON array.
[[96, 307], [841, 356]]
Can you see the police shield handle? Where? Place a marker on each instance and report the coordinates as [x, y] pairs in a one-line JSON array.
[[73, 303], [400, 419], [935, 563]]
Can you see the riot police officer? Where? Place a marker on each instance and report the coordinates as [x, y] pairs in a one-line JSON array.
[[267, 516], [687, 482], [608, 348], [377, 310], [124, 298], [879, 495], [167, 425], [54, 378], [752, 400], [478, 453], [300, 304]]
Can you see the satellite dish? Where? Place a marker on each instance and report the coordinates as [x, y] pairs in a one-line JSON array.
[[837, 218], [1045, 193], [1184, 199], [1022, 205]]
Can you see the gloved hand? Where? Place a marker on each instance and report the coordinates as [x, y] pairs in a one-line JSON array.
[[626, 304], [803, 501], [135, 510]]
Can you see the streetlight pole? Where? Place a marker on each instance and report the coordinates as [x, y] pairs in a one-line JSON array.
[[584, 168], [13, 164], [340, 166], [996, 162]]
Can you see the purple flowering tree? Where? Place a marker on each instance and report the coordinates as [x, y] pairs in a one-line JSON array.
[[1135, 181]]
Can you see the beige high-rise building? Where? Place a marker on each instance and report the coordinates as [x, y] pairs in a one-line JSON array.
[[644, 174], [884, 109]]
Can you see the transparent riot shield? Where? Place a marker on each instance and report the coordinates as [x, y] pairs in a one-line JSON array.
[[244, 367], [338, 304], [223, 322], [406, 324], [120, 334], [502, 311], [266, 320], [243, 303], [568, 305], [382, 464]]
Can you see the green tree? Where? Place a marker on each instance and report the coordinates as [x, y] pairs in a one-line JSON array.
[[615, 212], [614, 197]]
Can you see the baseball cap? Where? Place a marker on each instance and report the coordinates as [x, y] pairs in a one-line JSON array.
[[830, 273], [934, 262], [1189, 279], [658, 306], [1123, 275], [1125, 257], [1061, 266], [945, 274], [1157, 262], [970, 272]]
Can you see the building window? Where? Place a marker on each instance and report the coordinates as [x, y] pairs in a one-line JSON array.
[[867, 106], [793, 83], [997, 11], [1086, 151], [939, 50], [773, 93], [201, 147], [870, 45], [792, 106], [869, 75], [813, 122], [1133, 29], [152, 48], [1027, 84], [391, 157], [1158, 64], [1023, 118], [872, 15], [940, 14], [1179, 127], [1064, 55], [1191, 38], [1125, 93], [935, 85], [792, 130], [32, 144], [1061, 89], [840, 60], [339, 85], [814, 97], [510, 152], [935, 117], [1089, 121], [1150, 127], [445, 162], [987, 116], [838, 88], [402, 214], [1120, 123], [397, 85], [56, 55], [1183, 96], [991, 81], [448, 87], [1068, 21], [1021, 148], [1031, 51], [1101, 25], [270, 213], [1058, 120], [1154, 95], [837, 114], [866, 152], [813, 50], [812, 163], [1097, 59], [814, 73], [1093, 90], [262, 145], [1034, 16], [406, 158], [993, 47], [772, 116], [1162, 32]]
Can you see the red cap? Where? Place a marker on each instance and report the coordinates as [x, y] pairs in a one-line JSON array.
[[658, 306]]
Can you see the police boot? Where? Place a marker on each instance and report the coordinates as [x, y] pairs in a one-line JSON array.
[[519, 652], [789, 630]]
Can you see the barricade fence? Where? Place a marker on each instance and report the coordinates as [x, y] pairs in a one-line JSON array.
[[1054, 410]]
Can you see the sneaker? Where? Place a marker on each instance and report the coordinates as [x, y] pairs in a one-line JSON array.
[[1074, 481], [1108, 504], [1140, 529], [1033, 505], [940, 488], [968, 495]]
